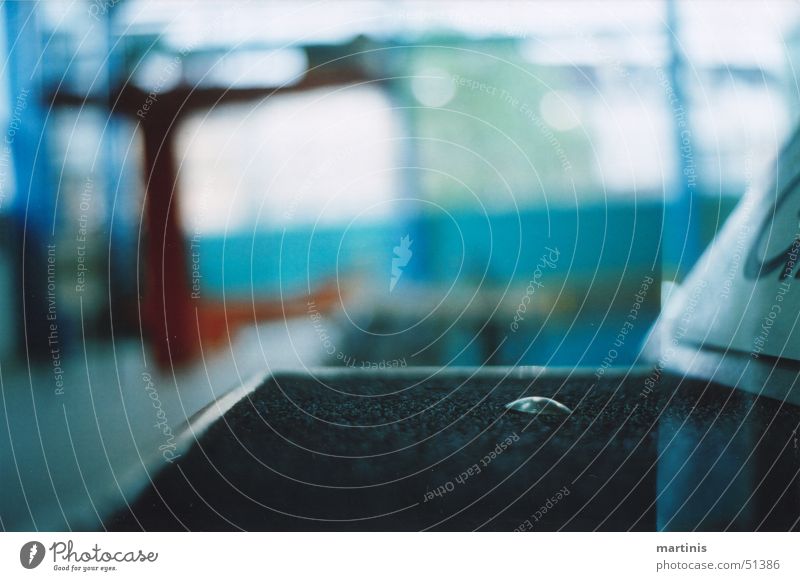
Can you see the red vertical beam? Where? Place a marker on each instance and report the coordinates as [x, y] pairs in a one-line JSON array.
[[167, 304]]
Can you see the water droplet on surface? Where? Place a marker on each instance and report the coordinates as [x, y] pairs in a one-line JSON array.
[[538, 405]]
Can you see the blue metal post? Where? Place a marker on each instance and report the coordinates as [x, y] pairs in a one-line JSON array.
[[682, 220]]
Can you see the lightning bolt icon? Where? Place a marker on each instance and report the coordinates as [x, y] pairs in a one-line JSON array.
[[402, 254]]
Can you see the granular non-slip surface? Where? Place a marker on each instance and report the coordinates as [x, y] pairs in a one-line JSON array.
[[350, 450]]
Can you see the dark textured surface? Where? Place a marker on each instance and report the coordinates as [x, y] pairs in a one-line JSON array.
[[365, 451]]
